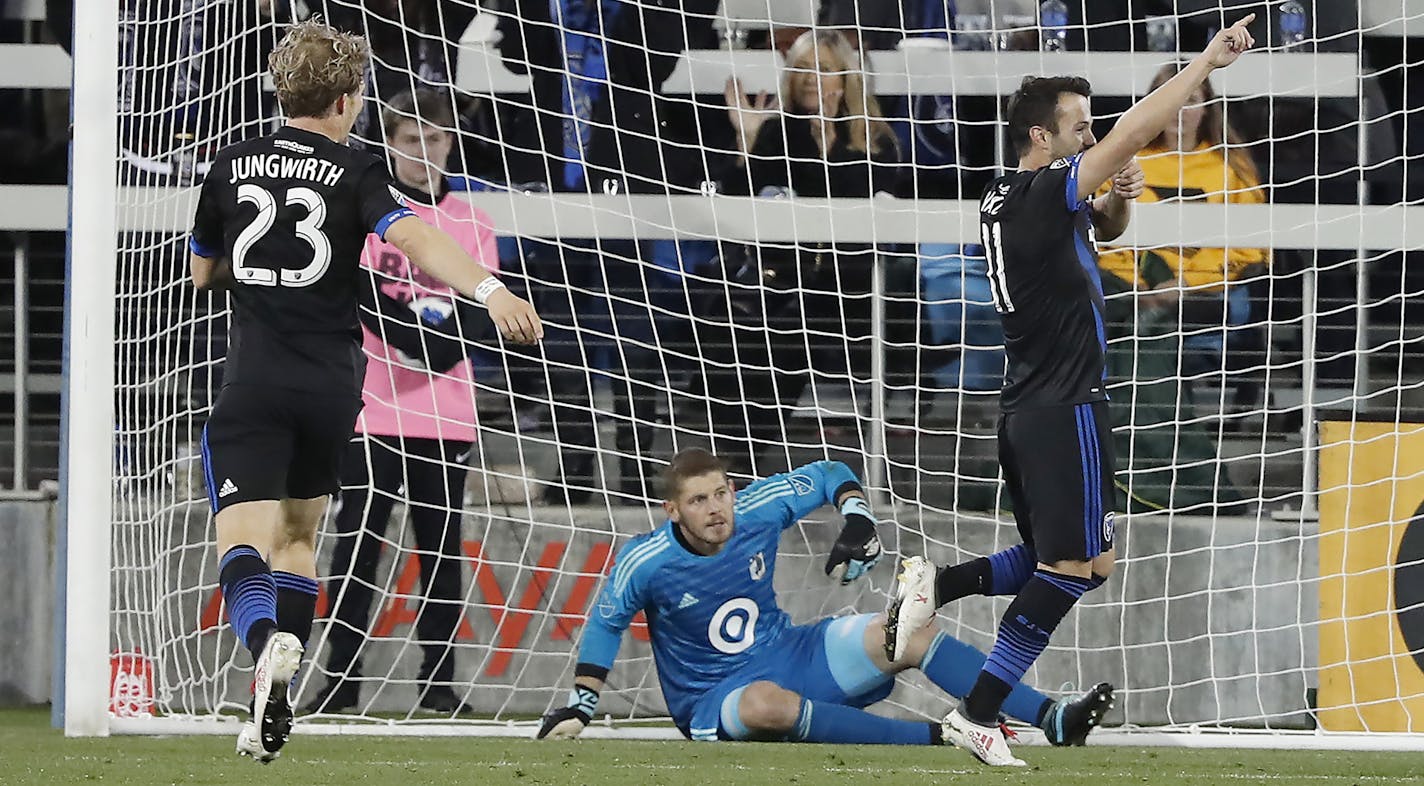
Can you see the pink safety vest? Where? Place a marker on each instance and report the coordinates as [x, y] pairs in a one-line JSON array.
[[402, 401]]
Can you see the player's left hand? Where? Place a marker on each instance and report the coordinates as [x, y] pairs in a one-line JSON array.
[[854, 554], [514, 317], [1130, 182]]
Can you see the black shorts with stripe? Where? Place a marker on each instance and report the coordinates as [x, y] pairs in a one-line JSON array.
[[269, 443], [1058, 466]]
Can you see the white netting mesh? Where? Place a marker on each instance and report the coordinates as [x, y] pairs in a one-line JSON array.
[[859, 328]]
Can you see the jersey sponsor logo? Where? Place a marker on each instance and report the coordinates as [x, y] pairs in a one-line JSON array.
[[398, 196], [1109, 527], [295, 147], [732, 629], [228, 487], [757, 566], [803, 485], [688, 599]]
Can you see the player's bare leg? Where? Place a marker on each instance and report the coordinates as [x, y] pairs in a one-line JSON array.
[[293, 556], [248, 523]]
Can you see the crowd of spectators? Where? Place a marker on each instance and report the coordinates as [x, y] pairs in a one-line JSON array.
[[781, 325]]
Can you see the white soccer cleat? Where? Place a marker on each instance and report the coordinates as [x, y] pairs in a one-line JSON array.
[[249, 743], [986, 743], [913, 607], [271, 724]]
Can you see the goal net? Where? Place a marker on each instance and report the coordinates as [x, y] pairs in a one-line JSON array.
[[788, 268]]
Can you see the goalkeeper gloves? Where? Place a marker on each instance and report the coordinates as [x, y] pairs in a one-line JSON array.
[[858, 548], [568, 722]]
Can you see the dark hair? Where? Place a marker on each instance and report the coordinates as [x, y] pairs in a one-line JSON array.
[[1035, 103], [423, 106], [686, 464]]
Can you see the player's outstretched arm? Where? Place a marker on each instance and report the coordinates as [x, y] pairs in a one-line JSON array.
[[623, 595], [819, 483], [1146, 119], [438, 254]]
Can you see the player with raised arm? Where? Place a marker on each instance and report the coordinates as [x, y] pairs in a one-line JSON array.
[[731, 664], [1039, 225], [281, 221]]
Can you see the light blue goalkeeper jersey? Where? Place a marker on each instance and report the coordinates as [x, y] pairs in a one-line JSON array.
[[708, 616]]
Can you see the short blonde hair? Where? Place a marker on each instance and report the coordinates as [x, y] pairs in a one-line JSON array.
[[315, 64]]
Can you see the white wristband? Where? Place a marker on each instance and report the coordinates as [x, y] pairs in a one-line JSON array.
[[486, 288]]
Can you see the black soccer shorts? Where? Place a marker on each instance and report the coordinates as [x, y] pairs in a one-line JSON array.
[[1058, 465], [266, 443]]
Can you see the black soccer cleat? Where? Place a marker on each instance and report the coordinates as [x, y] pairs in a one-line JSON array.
[[1069, 721], [276, 722]]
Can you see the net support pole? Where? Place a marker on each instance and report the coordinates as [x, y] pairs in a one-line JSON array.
[[87, 434], [1308, 326], [1361, 388], [22, 361], [875, 458]]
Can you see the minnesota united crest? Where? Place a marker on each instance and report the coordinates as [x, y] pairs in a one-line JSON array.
[[757, 566]]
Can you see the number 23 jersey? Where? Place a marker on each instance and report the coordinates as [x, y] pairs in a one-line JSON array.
[[292, 212]]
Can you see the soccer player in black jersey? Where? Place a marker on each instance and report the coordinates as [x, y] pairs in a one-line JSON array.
[[1039, 225], [281, 222]]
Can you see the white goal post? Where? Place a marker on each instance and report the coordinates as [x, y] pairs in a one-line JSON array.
[[1236, 622]]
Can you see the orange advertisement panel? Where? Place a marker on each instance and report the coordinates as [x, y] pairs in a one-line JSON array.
[[1372, 577]]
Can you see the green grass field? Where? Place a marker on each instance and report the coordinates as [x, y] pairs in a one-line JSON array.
[[32, 752]]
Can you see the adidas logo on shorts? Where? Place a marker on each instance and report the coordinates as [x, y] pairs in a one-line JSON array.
[[228, 487]]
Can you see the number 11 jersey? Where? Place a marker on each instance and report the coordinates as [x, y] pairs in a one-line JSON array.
[[1043, 275], [292, 212]]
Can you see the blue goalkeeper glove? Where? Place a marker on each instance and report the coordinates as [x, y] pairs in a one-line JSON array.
[[858, 548], [568, 722]]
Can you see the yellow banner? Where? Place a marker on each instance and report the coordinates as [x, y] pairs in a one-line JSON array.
[[1372, 577]]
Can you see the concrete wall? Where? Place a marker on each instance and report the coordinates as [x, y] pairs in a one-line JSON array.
[[26, 601], [1223, 630]]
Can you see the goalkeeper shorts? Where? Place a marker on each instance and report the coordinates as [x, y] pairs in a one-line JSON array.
[[824, 662], [266, 443]]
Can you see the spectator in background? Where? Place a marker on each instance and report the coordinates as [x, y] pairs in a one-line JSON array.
[[418, 425], [801, 310], [1185, 304], [190, 82], [622, 299], [413, 47]]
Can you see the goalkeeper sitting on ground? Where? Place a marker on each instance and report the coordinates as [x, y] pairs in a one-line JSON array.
[[731, 664]]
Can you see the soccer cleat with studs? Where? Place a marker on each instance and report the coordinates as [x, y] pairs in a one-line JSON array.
[[912, 607], [263, 737], [985, 743], [1069, 720]]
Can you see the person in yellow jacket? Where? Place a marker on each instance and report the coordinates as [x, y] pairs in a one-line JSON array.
[[1200, 159], [1188, 315]]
